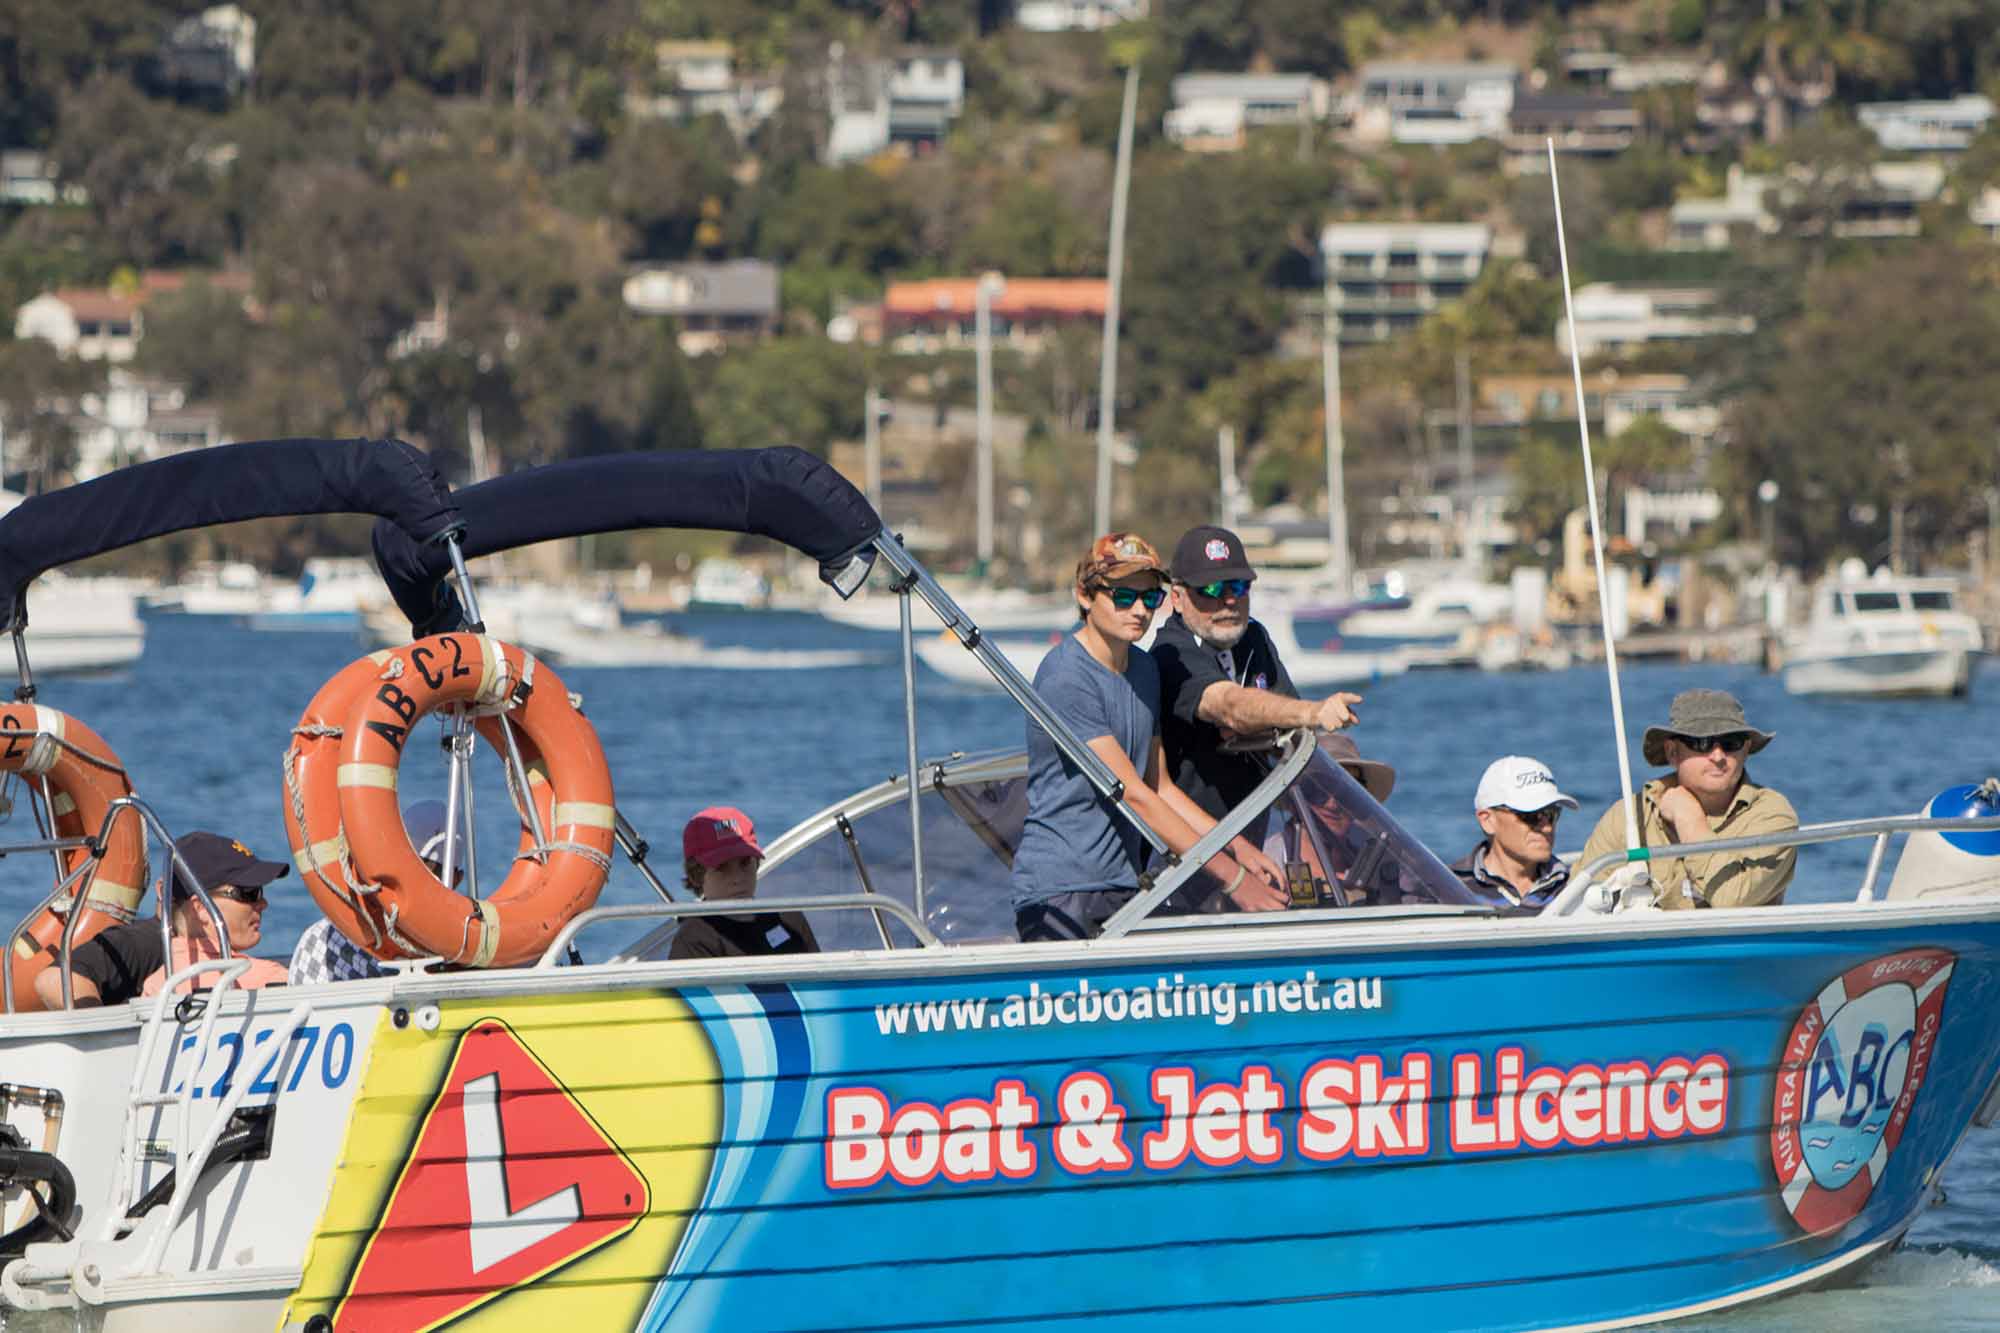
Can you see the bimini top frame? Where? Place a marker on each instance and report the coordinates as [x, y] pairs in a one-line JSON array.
[[783, 493], [227, 484]]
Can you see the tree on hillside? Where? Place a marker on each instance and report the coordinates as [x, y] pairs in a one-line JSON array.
[[1880, 401], [1210, 242], [802, 391], [143, 164], [38, 385]]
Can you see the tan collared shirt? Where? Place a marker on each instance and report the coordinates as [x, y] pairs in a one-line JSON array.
[[1718, 879]]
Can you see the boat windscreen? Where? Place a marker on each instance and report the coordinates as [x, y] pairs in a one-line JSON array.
[[1931, 600], [1332, 835]]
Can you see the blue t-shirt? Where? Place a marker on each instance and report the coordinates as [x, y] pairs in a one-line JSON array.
[[1073, 840]]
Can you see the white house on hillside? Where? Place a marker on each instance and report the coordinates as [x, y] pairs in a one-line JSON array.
[[88, 325], [911, 99], [1077, 15], [1437, 102], [1937, 126], [1610, 316], [1214, 111]]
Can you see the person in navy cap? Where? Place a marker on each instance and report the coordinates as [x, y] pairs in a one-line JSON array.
[[129, 960], [1220, 675], [720, 857]]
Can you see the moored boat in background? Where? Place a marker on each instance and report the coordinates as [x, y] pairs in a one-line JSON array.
[[1885, 636]]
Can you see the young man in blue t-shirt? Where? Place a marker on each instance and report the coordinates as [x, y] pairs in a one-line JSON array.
[[1079, 860]]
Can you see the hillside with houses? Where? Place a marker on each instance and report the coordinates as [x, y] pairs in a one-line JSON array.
[[679, 223]]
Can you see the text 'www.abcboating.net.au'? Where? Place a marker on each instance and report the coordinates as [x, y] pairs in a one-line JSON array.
[[1166, 998]]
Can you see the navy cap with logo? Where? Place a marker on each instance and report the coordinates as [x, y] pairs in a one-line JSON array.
[[216, 860], [1208, 553]]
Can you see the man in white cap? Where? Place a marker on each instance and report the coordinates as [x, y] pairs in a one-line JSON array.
[[1517, 805]]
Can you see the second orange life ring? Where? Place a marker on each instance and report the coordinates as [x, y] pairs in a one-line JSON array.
[[84, 777], [342, 779]]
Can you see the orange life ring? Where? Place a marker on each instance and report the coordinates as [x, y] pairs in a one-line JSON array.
[[84, 777], [342, 780]]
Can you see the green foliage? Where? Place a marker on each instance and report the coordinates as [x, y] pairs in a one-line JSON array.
[[1685, 19], [805, 391], [1879, 397]]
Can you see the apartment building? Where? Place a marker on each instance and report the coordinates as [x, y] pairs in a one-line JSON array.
[[1383, 278]]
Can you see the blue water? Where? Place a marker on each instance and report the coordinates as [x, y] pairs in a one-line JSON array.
[[204, 718]]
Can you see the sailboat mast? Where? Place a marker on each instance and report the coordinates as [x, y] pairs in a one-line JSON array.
[[1107, 375], [1336, 445]]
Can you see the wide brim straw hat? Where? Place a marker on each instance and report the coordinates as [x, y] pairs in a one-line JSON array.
[[1704, 715]]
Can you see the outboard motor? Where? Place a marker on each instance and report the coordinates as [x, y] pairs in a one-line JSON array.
[[1956, 864]]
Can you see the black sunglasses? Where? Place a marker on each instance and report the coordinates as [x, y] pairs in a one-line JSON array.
[[1535, 818], [1122, 598], [1730, 744], [1214, 591], [238, 893]]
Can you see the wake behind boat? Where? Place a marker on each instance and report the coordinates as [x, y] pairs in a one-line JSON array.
[[1351, 1111]]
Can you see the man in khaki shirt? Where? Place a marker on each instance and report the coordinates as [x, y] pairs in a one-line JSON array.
[[1707, 796]]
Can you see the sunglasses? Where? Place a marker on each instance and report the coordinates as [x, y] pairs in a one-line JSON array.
[[1730, 744], [1216, 590], [1535, 818], [237, 893], [1123, 598]]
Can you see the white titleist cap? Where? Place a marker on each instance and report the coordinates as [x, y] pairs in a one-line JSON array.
[[1519, 783]]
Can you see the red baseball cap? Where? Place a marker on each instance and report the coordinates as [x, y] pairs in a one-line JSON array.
[[718, 834]]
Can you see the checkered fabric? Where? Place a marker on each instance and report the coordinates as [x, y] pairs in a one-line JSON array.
[[324, 954]]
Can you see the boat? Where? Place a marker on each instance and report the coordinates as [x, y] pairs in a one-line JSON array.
[[722, 584], [1348, 1112], [213, 588], [333, 594], [1438, 613], [1884, 636], [86, 626]]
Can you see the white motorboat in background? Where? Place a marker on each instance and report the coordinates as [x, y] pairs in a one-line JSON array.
[[82, 625], [1886, 635], [213, 588], [1438, 612], [333, 593], [727, 585]]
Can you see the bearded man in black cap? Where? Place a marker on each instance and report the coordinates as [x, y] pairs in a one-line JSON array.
[[1708, 795], [1220, 675]]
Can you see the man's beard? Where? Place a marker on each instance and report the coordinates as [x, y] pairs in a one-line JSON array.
[[1227, 636]]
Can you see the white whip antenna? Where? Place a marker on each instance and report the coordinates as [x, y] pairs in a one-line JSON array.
[[1596, 535]]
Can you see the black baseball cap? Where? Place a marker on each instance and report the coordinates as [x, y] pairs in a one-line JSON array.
[[1208, 553], [216, 860]]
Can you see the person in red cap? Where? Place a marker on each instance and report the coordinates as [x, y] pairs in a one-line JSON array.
[[720, 854]]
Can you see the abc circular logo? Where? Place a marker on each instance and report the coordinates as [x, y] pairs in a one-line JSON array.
[[1850, 1072]]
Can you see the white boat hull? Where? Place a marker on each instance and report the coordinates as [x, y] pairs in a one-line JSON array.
[[1924, 674]]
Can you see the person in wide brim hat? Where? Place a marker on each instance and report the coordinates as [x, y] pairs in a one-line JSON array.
[[1376, 778], [1702, 715], [1706, 796]]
